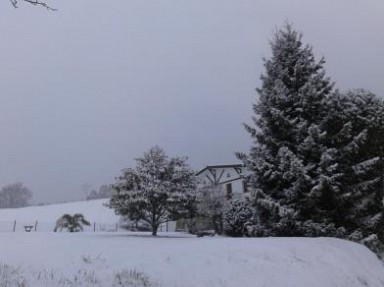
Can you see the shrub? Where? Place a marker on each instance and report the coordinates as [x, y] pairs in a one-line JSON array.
[[11, 276], [236, 216], [71, 223], [132, 278]]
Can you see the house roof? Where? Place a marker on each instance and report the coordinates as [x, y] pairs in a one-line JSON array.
[[220, 166]]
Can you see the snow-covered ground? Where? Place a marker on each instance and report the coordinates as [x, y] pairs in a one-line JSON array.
[[172, 259], [97, 259]]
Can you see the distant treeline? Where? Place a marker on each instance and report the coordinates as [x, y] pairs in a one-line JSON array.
[[105, 191], [15, 195]]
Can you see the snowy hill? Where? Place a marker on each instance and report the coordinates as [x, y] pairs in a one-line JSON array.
[[93, 210]]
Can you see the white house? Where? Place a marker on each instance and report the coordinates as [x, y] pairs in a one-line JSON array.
[[229, 177]]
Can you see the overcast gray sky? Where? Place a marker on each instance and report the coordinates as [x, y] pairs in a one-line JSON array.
[[88, 88]]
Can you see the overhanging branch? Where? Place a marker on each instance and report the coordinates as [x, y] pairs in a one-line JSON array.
[[33, 2]]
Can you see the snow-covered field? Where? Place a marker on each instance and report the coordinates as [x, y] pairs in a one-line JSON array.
[[93, 210], [174, 259], [97, 259]]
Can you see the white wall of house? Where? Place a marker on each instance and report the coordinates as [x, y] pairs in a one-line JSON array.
[[228, 177]]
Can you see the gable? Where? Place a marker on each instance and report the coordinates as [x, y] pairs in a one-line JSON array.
[[213, 175]]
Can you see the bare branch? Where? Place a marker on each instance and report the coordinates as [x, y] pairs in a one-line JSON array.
[[33, 2]]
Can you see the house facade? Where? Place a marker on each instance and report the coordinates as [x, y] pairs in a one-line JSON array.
[[230, 179]]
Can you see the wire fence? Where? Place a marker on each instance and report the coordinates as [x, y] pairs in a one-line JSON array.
[[49, 226]]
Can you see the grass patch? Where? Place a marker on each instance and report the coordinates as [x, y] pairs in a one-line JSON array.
[[11, 276]]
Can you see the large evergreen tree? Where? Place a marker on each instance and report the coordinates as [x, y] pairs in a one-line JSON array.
[[287, 123], [317, 159]]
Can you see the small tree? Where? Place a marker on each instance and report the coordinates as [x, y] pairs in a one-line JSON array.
[[73, 223], [156, 190]]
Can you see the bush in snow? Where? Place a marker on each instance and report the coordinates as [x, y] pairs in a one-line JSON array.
[[287, 226], [132, 278], [236, 216], [314, 229], [373, 243], [72, 223]]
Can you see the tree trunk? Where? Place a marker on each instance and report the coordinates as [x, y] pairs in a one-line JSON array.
[[154, 229], [154, 223]]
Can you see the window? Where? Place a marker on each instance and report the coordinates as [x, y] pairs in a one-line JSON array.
[[228, 188], [228, 174], [245, 186]]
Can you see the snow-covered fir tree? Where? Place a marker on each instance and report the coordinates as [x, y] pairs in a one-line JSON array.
[[156, 190], [355, 127], [316, 163], [285, 127]]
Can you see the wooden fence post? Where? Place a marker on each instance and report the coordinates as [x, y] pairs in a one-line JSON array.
[[35, 225], [14, 226], [94, 226]]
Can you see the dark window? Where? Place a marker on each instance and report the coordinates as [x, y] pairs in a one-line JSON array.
[[245, 186], [228, 188]]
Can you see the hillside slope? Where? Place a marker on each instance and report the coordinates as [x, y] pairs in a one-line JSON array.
[[46, 215]]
